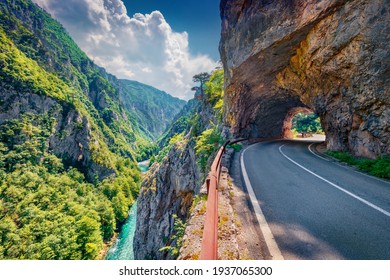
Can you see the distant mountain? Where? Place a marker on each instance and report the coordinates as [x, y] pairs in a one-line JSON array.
[[150, 109], [68, 146], [182, 122]]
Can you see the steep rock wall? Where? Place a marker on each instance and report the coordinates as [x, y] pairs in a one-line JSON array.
[[70, 139], [167, 190], [170, 186], [329, 56]]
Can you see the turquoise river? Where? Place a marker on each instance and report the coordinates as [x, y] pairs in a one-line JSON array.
[[122, 249]]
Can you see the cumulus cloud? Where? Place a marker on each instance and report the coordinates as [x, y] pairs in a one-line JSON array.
[[142, 47]]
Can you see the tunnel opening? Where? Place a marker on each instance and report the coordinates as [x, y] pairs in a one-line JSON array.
[[302, 123]]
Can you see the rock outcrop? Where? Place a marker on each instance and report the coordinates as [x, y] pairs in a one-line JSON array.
[[71, 137], [167, 190], [328, 56]]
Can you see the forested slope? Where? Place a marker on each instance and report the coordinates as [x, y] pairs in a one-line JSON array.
[[68, 147]]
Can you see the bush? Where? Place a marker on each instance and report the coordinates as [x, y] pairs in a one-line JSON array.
[[179, 227], [207, 143], [214, 90], [381, 168], [236, 147]]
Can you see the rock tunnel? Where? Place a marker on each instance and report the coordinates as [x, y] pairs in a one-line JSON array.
[[327, 56]]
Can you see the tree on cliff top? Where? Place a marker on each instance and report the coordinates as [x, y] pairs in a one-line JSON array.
[[201, 78]]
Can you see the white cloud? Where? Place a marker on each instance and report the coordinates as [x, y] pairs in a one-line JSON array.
[[142, 47]]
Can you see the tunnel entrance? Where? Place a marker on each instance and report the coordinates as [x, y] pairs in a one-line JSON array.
[[302, 123]]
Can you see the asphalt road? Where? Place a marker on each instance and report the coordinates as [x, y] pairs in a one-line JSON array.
[[315, 208]]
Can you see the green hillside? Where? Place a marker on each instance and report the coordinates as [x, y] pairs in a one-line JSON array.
[[152, 110], [68, 147]]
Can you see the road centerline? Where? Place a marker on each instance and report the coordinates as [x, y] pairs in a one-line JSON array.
[[334, 185]]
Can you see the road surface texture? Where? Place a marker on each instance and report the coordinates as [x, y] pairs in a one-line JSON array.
[[313, 207]]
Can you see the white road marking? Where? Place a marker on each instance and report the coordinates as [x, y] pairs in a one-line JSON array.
[[267, 233], [348, 167], [311, 151], [336, 186]]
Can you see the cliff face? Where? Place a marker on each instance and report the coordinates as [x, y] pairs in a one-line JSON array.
[[170, 186], [72, 132], [167, 190], [329, 56], [153, 110]]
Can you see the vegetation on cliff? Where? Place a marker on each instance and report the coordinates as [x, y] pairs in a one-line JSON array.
[[155, 109], [66, 183], [177, 172], [209, 140], [49, 62], [202, 119], [48, 210]]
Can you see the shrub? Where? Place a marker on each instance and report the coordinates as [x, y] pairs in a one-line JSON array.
[[344, 157], [207, 143], [236, 147], [179, 227]]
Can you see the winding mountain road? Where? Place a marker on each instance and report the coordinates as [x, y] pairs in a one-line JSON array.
[[313, 207]]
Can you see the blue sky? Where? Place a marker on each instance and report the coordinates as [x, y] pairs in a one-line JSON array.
[[163, 43]]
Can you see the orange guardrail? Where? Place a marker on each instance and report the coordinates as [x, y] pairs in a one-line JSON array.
[[209, 249]]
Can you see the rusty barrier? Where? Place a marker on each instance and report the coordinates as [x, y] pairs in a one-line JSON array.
[[209, 249]]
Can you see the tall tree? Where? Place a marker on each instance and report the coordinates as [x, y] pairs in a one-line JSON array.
[[200, 78]]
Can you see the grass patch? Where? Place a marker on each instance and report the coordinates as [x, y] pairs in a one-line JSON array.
[[196, 200], [202, 209], [198, 232], [223, 220], [245, 256], [235, 147], [379, 167], [228, 255], [237, 222]]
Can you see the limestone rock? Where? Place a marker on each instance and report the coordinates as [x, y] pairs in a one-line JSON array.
[[170, 186], [167, 190], [71, 138], [329, 56]]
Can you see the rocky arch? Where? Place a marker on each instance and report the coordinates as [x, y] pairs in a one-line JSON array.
[[328, 56], [287, 124]]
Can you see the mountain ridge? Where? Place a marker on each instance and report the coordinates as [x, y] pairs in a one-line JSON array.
[[153, 109]]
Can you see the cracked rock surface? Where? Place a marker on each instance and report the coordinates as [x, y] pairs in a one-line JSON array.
[[328, 56]]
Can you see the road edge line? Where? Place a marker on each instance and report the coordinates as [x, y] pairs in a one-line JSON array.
[[311, 151], [347, 166], [269, 238], [379, 209]]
